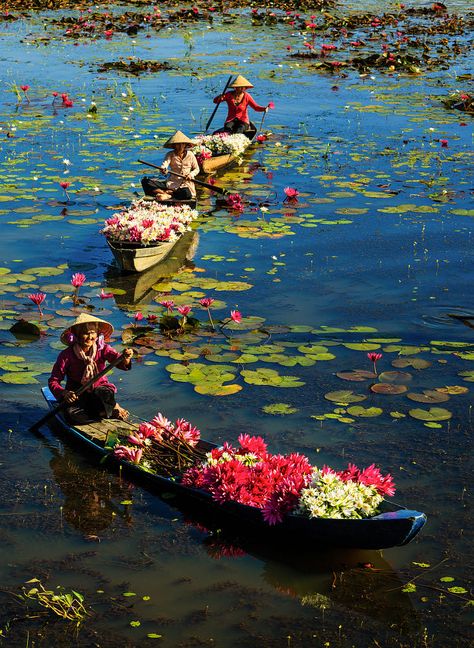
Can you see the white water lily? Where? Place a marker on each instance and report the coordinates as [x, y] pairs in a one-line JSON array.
[[221, 144]]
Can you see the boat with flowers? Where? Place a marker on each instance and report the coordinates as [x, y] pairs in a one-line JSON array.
[[220, 150], [247, 490], [145, 233]]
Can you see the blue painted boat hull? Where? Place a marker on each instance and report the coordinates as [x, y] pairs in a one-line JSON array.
[[394, 526]]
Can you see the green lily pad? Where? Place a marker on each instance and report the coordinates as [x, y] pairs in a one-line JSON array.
[[369, 412], [19, 378], [312, 349], [468, 376], [362, 346], [433, 414], [279, 408], [270, 377], [212, 389], [344, 396], [416, 363], [453, 390], [397, 415]]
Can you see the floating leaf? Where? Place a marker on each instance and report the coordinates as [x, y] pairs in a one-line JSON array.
[[397, 415], [279, 408], [446, 579], [388, 388], [270, 377], [128, 593], [344, 396], [453, 390], [398, 377], [468, 376], [362, 346], [217, 389], [409, 587], [356, 375], [457, 590], [416, 363], [433, 414], [428, 396], [153, 635], [19, 378], [369, 412]]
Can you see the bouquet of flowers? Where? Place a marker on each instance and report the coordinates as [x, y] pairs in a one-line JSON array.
[[161, 446], [147, 222], [220, 144]]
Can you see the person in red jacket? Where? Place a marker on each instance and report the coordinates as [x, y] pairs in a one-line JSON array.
[[86, 355], [238, 101]]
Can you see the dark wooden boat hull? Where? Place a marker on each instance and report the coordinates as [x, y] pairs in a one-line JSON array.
[[139, 258], [395, 526]]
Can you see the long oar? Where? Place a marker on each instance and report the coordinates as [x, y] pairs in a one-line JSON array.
[[78, 392], [219, 190], [217, 105]]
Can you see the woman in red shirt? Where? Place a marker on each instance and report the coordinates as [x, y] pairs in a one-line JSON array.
[[86, 355], [238, 101]]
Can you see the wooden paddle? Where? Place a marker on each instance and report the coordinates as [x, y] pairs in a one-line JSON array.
[[219, 190], [218, 104], [63, 404]]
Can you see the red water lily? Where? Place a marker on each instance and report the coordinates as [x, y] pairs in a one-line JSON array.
[[168, 304], [236, 316], [104, 295], [291, 194], [206, 302], [64, 186], [78, 279], [444, 143], [374, 357]]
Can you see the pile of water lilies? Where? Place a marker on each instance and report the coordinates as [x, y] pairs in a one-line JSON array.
[[147, 222], [249, 474], [207, 146]]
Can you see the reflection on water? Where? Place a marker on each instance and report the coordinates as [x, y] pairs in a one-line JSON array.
[[137, 289]]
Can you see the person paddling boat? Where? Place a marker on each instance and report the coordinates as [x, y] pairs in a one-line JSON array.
[[179, 160], [238, 101], [86, 355]]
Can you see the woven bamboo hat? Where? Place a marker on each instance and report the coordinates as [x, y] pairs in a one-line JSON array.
[[178, 138], [241, 82], [103, 327]]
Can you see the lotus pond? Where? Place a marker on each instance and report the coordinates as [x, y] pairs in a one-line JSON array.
[[373, 255]]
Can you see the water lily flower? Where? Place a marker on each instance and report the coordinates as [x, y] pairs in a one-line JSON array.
[[206, 302], [151, 318], [168, 304], [291, 194], [78, 279], [138, 316], [38, 299], [271, 105], [261, 138], [25, 89], [129, 454], [236, 316], [104, 295], [64, 186], [444, 143], [374, 357]]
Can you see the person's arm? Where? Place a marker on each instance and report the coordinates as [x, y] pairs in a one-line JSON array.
[[166, 162], [253, 104], [110, 355], [194, 166], [219, 99], [58, 374]]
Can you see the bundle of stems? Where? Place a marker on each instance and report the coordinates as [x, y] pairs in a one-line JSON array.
[[171, 458]]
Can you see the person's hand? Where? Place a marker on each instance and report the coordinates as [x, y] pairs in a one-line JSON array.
[[69, 396], [128, 355], [162, 170], [267, 109]]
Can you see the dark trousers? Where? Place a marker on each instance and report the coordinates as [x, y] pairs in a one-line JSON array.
[[92, 406], [150, 184], [235, 126]]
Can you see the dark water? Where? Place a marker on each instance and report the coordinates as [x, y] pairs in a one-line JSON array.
[[377, 251]]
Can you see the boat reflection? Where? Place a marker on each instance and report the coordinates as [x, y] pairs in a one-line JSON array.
[[361, 581], [137, 289], [89, 494]]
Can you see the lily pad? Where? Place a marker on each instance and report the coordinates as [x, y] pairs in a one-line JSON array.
[[19, 378], [365, 412], [428, 396], [397, 377], [270, 377], [279, 408], [344, 396], [356, 375], [212, 389], [433, 414], [388, 388], [453, 390], [416, 363], [468, 376]]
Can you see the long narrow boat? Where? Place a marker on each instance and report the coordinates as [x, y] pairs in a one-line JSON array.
[[393, 526], [134, 257], [218, 162]]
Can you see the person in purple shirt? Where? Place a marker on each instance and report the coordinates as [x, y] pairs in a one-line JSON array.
[[86, 355]]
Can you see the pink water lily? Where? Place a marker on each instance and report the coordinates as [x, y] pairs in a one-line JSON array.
[[206, 302], [374, 357], [138, 316], [184, 310], [271, 105], [444, 143], [25, 89], [128, 454], [78, 278], [236, 316], [168, 304], [291, 194], [38, 299], [104, 295], [65, 186]]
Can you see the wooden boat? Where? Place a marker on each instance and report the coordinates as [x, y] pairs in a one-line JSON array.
[[218, 162], [393, 526], [137, 289], [134, 257]]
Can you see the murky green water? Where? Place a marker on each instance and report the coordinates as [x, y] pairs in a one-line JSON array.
[[375, 255]]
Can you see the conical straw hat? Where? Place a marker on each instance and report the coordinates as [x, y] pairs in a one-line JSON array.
[[178, 138], [241, 82], [103, 327]]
